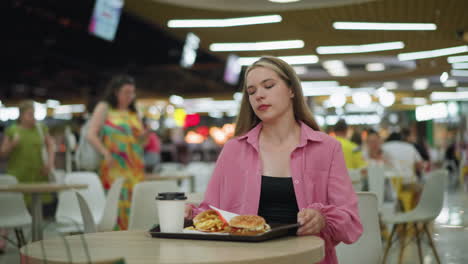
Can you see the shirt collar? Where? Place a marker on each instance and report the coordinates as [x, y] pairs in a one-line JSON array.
[[307, 134]]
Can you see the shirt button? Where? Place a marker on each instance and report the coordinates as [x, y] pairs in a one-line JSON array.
[[296, 181]]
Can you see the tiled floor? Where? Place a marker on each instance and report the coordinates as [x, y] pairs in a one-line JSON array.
[[450, 234]]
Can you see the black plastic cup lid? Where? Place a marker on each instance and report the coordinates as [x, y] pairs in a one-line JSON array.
[[171, 196]]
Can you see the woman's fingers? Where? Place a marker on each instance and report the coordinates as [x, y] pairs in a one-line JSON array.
[[313, 222]]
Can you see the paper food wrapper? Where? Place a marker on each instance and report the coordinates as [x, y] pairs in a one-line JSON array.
[[225, 217]]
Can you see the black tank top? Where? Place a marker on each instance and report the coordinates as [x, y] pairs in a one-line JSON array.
[[278, 203]]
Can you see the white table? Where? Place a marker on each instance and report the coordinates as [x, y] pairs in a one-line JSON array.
[[36, 189], [137, 247]]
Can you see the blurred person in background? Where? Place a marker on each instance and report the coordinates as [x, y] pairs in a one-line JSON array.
[[280, 166], [373, 153], [352, 152], [121, 142], [152, 149], [22, 145], [421, 146], [405, 160]]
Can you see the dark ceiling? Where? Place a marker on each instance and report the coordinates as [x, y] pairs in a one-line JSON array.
[[48, 53]]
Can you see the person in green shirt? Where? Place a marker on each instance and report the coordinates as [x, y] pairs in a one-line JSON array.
[[22, 146]]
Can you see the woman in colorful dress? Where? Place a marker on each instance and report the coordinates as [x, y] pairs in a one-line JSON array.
[[117, 133]]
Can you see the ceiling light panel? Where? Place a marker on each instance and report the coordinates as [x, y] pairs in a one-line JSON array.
[[360, 48], [335, 68], [383, 26], [226, 22], [293, 60], [455, 59], [254, 46], [460, 73], [284, 1], [373, 67], [459, 66], [432, 53]]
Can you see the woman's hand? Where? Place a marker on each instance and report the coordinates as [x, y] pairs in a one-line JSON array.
[[188, 212], [311, 221], [46, 169]]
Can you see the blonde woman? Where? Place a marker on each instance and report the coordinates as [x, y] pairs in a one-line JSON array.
[[22, 145], [280, 166]]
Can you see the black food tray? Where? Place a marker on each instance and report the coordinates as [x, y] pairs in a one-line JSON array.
[[276, 231]]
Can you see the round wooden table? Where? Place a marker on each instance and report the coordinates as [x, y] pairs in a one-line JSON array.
[[137, 247], [35, 189]]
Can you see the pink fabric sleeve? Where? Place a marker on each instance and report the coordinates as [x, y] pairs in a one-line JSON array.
[[213, 191], [341, 213]]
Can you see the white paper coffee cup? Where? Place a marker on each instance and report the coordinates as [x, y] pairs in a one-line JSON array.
[[171, 211]]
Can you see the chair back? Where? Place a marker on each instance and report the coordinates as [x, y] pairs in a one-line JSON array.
[[355, 175], [370, 241], [13, 211], [202, 172], [68, 211], [432, 198], [143, 211], [195, 198], [376, 179], [88, 222], [109, 217]]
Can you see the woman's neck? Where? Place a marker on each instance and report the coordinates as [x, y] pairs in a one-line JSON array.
[[281, 131]]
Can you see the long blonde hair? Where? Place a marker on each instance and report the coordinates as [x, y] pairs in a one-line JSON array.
[[246, 119]]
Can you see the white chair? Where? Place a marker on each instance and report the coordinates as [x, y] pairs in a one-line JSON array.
[[370, 241], [355, 175], [143, 211], [202, 172], [428, 208], [68, 216], [376, 179], [109, 216], [170, 168], [195, 198], [13, 211]]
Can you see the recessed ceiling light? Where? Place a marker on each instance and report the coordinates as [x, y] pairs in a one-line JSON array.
[[293, 60], [432, 53], [390, 85], [455, 59], [451, 83], [421, 84], [321, 91], [447, 96], [373, 67], [225, 22], [459, 66], [360, 48], [444, 77], [414, 100], [253, 46], [461, 73], [383, 26], [284, 1], [300, 70], [335, 68]]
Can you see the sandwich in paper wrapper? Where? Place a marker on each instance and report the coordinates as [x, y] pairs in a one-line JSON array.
[[222, 222]]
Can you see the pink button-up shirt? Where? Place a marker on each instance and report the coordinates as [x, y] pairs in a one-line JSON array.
[[320, 178]]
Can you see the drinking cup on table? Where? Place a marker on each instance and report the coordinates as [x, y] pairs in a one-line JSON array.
[[171, 209]]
